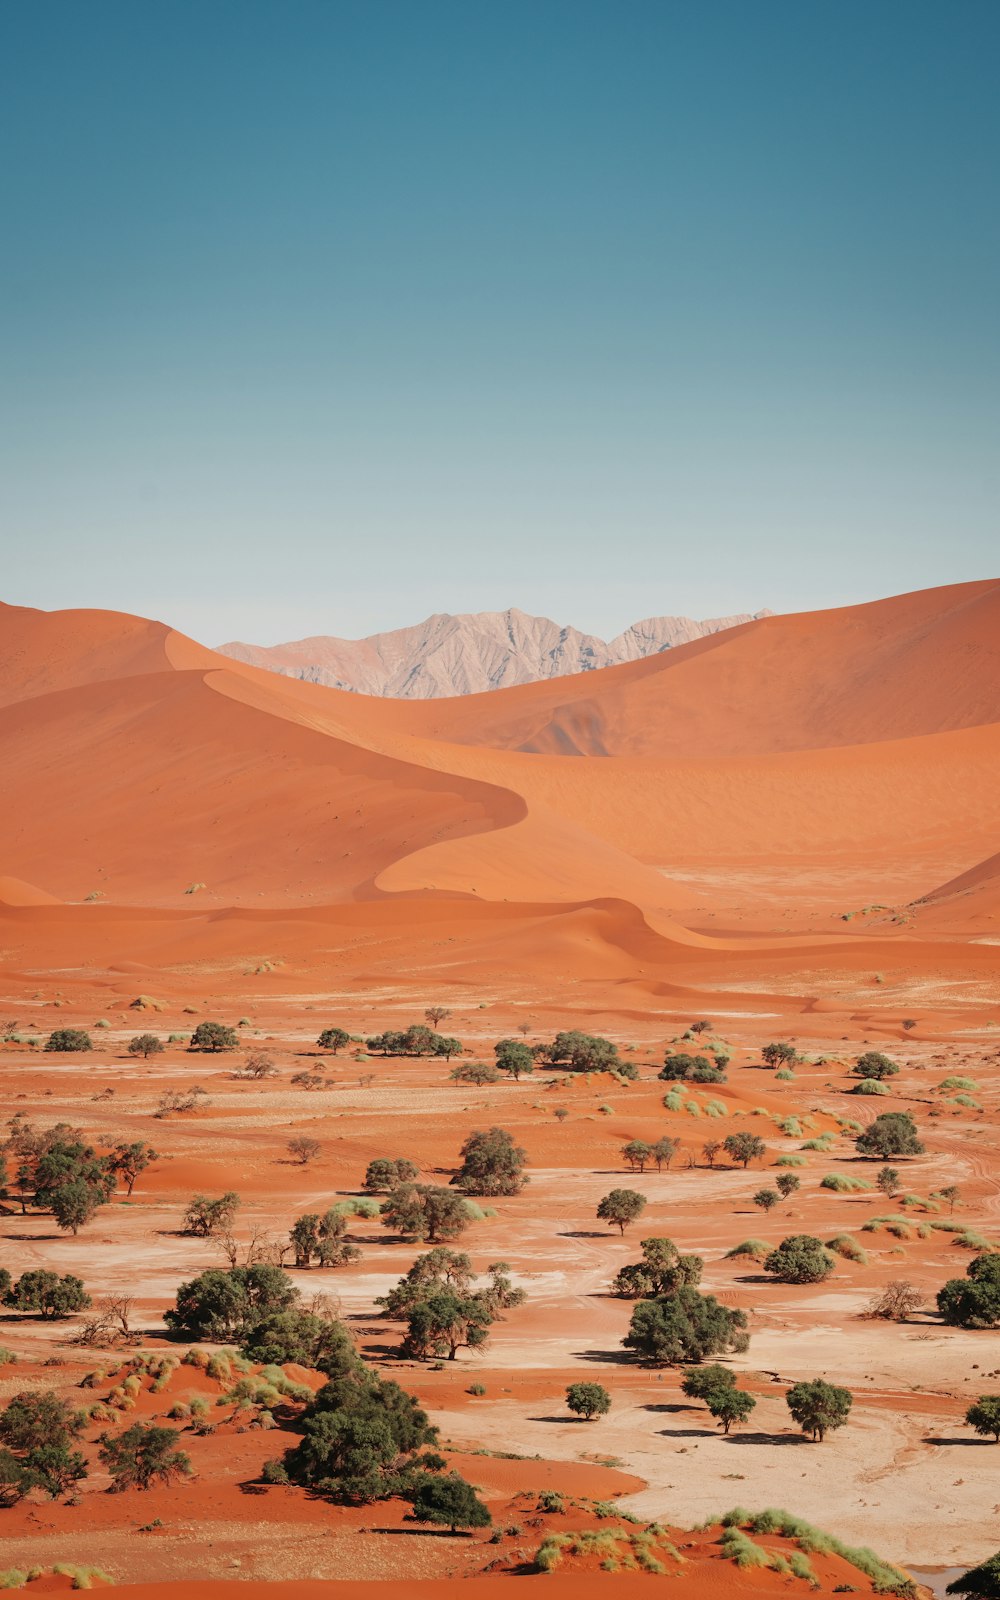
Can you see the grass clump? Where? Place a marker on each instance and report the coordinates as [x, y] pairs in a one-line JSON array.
[[871, 1086], [957, 1083], [848, 1247], [885, 1578], [791, 1127], [756, 1249], [841, 1183], [790, 1161]]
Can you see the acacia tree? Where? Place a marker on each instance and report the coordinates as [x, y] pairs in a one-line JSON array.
[[894, 1133], [425, 1211], [45, 1293], [444, 1323], [873, 1064], [435, 1015], [664, 1150], [766, 1198], [214, 1036], [982, 1582], [73, 1204], [779, 1054], [620, 1208], [492, 1164], [661, 1271], [385, 1173], [142, 1456], [303, 1148], [448, 1500], [636, 1153], [973, 1301], [744, 1148], [588, 1400], [129, 1161], [786, 1184], [205, 1216], [145, 1045], [514, 1057], [37, 1431], [685, 1327], [984, 1416], [819, 1407], [333, 1039]]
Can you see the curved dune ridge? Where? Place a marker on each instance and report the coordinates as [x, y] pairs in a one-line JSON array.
[[859, 746]]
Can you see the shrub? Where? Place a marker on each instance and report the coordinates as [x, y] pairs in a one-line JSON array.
[[205, 1216], [896, 1302], [982, 1581], [661, 1271], [800, 1259], [477, 1072], [145, 1045], [691, 1069], [449, 1501], [214, 1036], [425, 1211], [69, 1039], [844, 1245], [143, 1455], [871, 1086], [756, 1249], [46, 1294]]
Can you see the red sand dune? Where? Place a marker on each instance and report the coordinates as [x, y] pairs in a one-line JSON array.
[[860, 745]]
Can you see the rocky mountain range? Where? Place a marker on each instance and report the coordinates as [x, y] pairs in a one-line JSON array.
[[469, 654]]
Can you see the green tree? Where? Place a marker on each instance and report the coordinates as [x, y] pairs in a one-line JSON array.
[[444, 1323], [37, 1431], [66, 1039], [361, 1437], [305, 1337], [477, 1072], [449, 1501], [47, 1295], [779, 1054], [437, 1271], [588, 1400], [873, 1064], [425, 1211], [384, 1174], [73, 1204], [691, 1069], [620, 1208], [787, 1183], [514, 1057], [334, 1039], [800, 1259], [984, 1416], [446, 1045], [129, 1161], [435, 1015], [973, 1301], [894, 1133], [214, 1036], [636, 1153], [142, 1456], [205, 1216], [685, 1327], [888, 1181], [303, 1148], [583, 1052], [766, 1199], [982, 1582], [226, 1305], [744, 1148], [661, 1271], [145, 1045], [664, 1150], [492, 1164], [700, 1382], [730, 1405], [819, 1407]]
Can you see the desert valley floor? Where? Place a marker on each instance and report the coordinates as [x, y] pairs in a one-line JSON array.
[[788, 830]]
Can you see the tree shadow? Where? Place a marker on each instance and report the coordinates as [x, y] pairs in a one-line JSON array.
[[618, 1358], [767, 1438], [568, 1421], [583, 1233], [991, 1444], [687, 1433], [667, 1408]]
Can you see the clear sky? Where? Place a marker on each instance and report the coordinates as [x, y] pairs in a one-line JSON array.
[[318, 316]]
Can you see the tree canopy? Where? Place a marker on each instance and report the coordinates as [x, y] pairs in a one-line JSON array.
[[818, 1407], [685, 1327]]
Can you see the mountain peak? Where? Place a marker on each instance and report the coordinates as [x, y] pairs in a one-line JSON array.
[[470, 653]]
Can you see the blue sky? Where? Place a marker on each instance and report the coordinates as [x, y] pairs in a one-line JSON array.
[[318, 317]]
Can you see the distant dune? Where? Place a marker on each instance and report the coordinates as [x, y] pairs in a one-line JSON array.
[[469, 654], [588, 825]]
